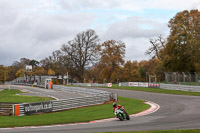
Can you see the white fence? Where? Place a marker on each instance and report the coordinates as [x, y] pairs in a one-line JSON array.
[[90, 84]]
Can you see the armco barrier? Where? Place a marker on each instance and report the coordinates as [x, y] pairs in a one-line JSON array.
[[6, 109], [58, 105], [86, 91], [79, 102], [180, 87], [92, 97]]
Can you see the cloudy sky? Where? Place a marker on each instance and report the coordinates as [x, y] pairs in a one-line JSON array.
[[35, 28]]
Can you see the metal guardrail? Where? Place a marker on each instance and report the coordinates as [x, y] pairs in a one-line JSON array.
[[64, 104], [93, 97], [6, 109], [79, 102], [180, 87], [80, 90]]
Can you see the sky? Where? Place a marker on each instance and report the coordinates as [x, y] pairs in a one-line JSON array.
[[33, 29]]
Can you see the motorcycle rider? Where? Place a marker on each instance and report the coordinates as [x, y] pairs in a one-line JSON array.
[[115, 106]]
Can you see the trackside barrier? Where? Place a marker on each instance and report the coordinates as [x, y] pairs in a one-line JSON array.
[[58, 105], [79, 102], [92, 97], [90, 84], [6, 109], [86, 91], [39, 81], [18, 110], [136, 84], [180, 87], [4, 86], [163, 86], [154, 85]]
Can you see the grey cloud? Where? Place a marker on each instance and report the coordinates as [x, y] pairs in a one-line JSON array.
[[134, 28], [89, 4], [36, 35], [136, 37]]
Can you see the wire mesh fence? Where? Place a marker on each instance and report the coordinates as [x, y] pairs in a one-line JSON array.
[[183, 78]]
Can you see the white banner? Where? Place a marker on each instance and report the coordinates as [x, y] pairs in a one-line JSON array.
[[143, 84], [133, 84], [109, 84]]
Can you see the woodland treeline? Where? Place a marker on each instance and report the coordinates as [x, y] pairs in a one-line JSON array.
[[85, 59]]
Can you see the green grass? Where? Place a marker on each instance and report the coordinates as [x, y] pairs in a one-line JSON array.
[[9, 96], [163, 131], [86, 114]]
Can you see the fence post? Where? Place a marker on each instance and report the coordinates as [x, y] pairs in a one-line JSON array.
[[183, 77], [178, 78], [166, 77], [190, 78], [196, 78]]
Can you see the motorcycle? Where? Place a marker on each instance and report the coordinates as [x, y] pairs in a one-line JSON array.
[[121, 114]]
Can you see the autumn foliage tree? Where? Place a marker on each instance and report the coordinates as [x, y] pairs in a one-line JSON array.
[[3, 73], [183, 44], [130, 71], [112, 58]]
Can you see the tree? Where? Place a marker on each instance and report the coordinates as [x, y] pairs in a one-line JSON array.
[[112, 55], [51, 72], [33, 63], [39, 71], [55, 62], [20, 73], [3, 73], [130, 71], [183, 44], [157, 44], [82, 51]]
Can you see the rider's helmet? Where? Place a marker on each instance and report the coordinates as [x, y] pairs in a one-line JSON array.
[[114, 105]]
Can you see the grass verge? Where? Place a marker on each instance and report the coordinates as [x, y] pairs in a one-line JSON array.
[[9, 96], [163, 131], [86, 114]]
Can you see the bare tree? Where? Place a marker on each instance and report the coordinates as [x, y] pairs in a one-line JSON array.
[[82, 51], [157, 44]]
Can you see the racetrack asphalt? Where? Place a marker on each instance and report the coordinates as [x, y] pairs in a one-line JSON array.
[[176, 112]]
